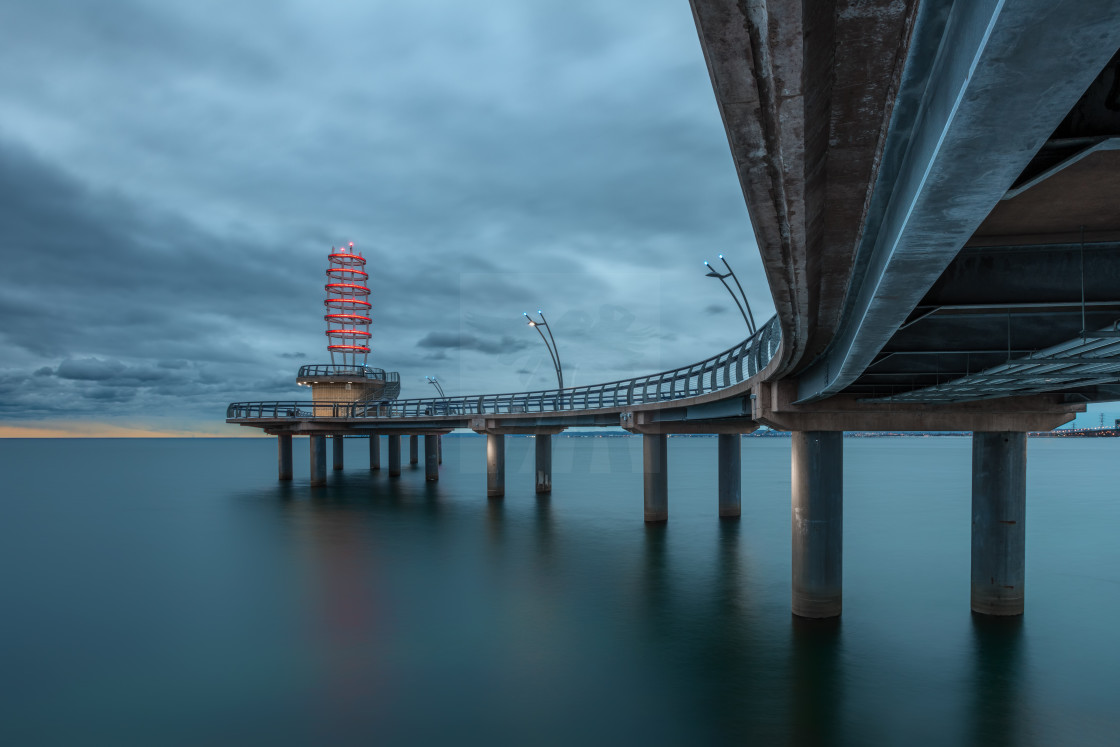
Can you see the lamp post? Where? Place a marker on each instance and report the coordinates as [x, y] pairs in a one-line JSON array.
[[552, 351], [435, 382], [748, 317]]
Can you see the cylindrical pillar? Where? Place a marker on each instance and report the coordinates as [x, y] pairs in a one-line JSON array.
[[544, 462], [374, 452], [999, 512], [655, 474], [318, 448], [495, 465], [394, 456], [284, 455], [431, 458], [337, 452], [414, 449], [818, 523], [730, 475], [439, 448]]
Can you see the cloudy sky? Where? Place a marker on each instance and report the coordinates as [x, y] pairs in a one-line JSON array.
[[172, 176]]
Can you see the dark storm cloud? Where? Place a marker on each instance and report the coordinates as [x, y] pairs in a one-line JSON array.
[[506, 344], [89, 369], [172, 175]]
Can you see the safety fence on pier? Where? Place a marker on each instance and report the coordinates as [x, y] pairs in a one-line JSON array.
[[733, 366]]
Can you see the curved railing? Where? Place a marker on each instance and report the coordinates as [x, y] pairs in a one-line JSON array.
[[336, 369], [732, 366]]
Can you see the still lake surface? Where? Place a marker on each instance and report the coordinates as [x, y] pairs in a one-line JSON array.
[[173, 592]]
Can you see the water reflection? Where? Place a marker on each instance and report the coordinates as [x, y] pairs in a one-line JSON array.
[[543, 535], [997, 711], [816, 681], [656, 595], [346, 606]]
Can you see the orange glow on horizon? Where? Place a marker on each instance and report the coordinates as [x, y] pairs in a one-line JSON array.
[[92, 429]]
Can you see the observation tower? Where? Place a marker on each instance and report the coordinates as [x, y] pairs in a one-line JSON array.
[[348, 378]]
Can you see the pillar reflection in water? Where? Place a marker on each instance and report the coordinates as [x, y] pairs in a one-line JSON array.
[[998, 711], [816, 681]]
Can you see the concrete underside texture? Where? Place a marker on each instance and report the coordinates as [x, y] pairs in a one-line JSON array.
[[317, 446], [999, 490], [338, 452], [543, 444], [394, 455], [413, 449], [374, 452], [875, 139], [730, 475], [655, 477], [805, 89], [818, 523], [773, 406], [495, 465], [431, 457], [284, 455]]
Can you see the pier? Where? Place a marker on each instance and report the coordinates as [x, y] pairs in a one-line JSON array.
[[935, 251]]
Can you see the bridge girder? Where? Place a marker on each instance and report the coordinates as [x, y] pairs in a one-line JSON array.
[[874, 139]]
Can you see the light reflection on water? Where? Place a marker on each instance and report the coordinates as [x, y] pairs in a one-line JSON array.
[[173, 592]]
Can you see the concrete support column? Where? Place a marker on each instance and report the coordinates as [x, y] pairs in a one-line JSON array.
[[431, 458], [394, 456], [413, 449], [818, 523], [439, 448], [284, 455], [730, 475], [544, 462], [374, 452], [318, 448], [655, 475], [495, 465], [337, 452], [999, 508]]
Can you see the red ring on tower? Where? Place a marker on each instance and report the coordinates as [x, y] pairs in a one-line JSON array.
[[347, 273], [345, 331]]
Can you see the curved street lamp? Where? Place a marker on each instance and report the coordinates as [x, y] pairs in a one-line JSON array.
[[748, 317], [435, 382], [552, 351]]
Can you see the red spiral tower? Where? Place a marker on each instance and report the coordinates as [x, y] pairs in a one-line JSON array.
[[348, 307]]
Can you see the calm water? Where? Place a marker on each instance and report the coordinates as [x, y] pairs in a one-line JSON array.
[[172, 592]]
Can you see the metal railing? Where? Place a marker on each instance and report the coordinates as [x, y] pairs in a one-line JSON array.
[[333, 369], [721, 371]]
